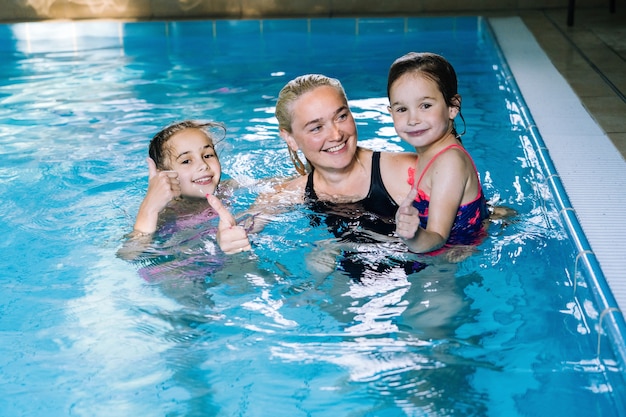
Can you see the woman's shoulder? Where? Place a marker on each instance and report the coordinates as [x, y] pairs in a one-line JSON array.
[[293, 184], [394, 170], [397, 161], [398, 155]]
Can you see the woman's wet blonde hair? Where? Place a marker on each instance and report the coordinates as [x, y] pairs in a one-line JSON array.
[[288, 95]]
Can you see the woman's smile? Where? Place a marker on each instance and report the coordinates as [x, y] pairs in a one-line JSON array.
[[335, 148]]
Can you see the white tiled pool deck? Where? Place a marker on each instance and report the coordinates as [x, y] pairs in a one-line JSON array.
[[588, 165]]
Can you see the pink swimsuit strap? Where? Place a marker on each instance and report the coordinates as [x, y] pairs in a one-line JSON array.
[[412, 170]]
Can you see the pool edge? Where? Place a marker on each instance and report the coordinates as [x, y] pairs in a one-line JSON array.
[[563, 131]]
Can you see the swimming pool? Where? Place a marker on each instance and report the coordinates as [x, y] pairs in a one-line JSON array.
[[279, 332]]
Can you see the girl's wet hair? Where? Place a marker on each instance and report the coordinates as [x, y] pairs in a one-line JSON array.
[[158, 145], [432, 66], [291, 92]]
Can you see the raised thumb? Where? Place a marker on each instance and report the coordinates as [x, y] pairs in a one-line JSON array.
[[152, 169], [408, 200], [226, 218]]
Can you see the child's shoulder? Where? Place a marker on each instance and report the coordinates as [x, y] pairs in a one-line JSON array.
[[229, 184], [455, 154], [453, 161]]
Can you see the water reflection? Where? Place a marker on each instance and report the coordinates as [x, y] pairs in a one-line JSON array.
[[387, 335]]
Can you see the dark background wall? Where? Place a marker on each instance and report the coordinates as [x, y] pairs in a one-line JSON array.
[[33, 10]]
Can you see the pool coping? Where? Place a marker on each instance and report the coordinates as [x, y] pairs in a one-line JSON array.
[[584, 169]]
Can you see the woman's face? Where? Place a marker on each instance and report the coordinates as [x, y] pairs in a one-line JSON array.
[[192, 156], [323, 129]]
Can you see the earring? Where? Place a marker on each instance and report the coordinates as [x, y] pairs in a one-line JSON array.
[[297, 162]]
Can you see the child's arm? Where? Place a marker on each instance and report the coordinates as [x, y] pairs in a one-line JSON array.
[[163, 187], [230, 237], [447, 192], [408, 228]]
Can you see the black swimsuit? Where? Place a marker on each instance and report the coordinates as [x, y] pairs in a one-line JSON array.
[[378, 200], [351, 222], [376, 212]]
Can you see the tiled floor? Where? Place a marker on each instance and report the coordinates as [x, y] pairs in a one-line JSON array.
[[591, 56]]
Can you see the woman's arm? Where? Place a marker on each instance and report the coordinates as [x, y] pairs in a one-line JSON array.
[[271, 203]]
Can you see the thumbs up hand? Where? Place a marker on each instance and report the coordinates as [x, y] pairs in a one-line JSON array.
[[407, 217], [230, 237], [163, 187]]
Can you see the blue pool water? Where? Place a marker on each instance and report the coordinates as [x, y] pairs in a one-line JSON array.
[[280, 332]]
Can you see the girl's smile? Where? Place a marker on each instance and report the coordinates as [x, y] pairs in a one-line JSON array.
[[204, 180], [419, 111], [194, 159], [416, 133]]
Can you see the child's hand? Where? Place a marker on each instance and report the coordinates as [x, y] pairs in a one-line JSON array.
[[230, 237], [163, 186], [407, 217]]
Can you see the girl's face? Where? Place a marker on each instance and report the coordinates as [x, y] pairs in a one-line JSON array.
[[192, 156], [323, 128], [420, 114]]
